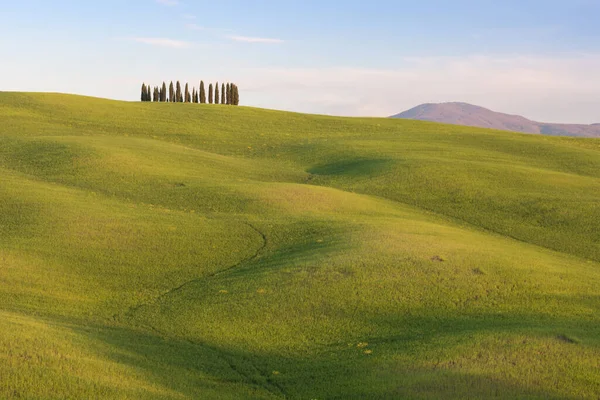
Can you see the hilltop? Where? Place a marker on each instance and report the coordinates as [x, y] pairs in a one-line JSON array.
[[182, 251], [471, 115]]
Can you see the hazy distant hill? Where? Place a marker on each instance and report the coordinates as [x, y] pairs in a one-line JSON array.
[[471, 115]]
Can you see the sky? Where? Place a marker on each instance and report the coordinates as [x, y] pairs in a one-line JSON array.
[[539, 59]]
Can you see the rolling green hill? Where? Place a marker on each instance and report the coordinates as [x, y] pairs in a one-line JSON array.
[[173, 251]]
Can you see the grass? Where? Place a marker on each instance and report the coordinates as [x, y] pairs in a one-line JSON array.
[[188, 251]]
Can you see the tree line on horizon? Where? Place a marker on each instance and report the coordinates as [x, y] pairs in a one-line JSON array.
[[228, 94]]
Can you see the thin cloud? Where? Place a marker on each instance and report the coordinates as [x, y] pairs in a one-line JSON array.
[[162, 42], [195, 27], [543, 88], [168, 2], [214, 31], [249, 39]]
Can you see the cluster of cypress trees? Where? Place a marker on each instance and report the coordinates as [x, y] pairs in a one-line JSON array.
[[228, 94]]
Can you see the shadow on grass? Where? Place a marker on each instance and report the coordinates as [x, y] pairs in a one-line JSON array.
[[352, 167], [300, 243], [417, 362], [192, 369]]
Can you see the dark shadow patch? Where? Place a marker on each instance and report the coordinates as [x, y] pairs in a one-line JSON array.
[[355, 167], [19, 217], [437, 259], [44, 157]]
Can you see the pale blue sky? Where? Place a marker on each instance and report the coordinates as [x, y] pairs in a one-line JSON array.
[[540, 59]]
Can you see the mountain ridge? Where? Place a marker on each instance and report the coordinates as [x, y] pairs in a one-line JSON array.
[[460, 113]]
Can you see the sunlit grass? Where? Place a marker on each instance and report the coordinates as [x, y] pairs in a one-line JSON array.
[[187, 251]]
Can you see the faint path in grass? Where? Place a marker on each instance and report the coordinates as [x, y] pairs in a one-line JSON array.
[[132, 310], [271, 387]]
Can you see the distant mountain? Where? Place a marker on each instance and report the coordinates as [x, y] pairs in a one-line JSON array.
[[470, 115]]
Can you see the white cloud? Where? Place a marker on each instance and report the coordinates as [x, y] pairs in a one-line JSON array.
[[249, 39], [547, 89], [168, 2], [177, 44]]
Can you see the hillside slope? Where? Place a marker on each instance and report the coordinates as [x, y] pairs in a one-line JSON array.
[[197, 251], [471, 115]]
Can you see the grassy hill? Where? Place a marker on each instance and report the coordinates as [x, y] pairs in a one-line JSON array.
[[193, 251]]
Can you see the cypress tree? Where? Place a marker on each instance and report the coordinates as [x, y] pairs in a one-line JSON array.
[[229, 94], [187, 93], [197, 97], [202, 93], [236, 96], [171, 93], [143, 92], [163, 93], [148, 94], [178, 92], [217, 93], [223, 94], [210, 93], [154, 95]]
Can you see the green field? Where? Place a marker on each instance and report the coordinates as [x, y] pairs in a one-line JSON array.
[[184, 251]]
